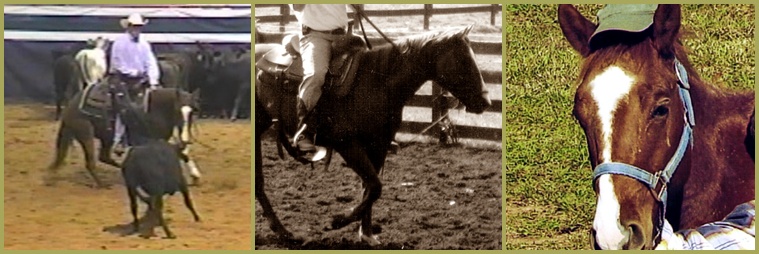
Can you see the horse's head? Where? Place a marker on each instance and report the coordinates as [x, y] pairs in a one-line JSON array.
[[456, 70], [188, 103], [630, 106], [101, 43]]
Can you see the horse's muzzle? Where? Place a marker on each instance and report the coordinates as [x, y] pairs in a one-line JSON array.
[[480, 104]]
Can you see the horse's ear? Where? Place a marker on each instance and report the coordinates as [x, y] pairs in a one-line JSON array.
[[576, 28], [666, 27], [466, 31]]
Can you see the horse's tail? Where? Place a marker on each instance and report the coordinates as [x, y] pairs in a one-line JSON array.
[[62, 144]]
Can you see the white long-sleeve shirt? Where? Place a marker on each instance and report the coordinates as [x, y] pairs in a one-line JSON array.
[[735, 232], [323, 17], [132, 58]]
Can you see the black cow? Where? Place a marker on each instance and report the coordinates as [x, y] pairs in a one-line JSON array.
[[229, 81], [152, 165], [188, 68]]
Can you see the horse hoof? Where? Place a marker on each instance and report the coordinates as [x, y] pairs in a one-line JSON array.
[[372, 240]]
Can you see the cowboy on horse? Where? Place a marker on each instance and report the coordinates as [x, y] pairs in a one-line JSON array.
[[132, 62]]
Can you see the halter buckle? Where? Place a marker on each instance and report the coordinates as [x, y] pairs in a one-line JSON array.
[[659, 176]]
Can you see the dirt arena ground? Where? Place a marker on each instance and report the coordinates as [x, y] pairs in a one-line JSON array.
[[433, 198], [72, 215]]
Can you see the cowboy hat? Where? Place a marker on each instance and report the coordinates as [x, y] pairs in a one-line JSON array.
[[134, 19]]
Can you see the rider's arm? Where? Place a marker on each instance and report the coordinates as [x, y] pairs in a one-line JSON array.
[[154, 74]]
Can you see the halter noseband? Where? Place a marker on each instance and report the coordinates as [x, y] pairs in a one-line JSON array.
[[661, 177]]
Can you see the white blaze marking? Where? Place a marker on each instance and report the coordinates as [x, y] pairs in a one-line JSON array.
[[186, 110], [610, 235], [607, 90]]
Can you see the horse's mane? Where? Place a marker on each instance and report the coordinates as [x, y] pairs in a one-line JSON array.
[[421, 41], [411, 47]]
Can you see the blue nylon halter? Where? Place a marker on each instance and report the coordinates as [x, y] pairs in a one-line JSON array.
[[665, 175]]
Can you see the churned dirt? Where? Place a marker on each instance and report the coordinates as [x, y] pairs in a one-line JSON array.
[[70, 214], [434, 197]]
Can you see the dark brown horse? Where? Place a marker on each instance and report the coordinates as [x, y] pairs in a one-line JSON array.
[[361, 125], [168, 109], [656, 154]]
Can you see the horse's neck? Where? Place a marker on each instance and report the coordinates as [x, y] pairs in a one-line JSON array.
[[403, 73], [716, 108], [717, 160]]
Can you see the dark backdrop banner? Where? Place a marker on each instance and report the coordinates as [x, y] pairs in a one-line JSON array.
[[34, 32]]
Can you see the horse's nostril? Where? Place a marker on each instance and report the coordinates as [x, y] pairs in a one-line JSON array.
[[637, 238]]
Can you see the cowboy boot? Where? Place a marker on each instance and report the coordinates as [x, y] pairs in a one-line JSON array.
[[303, 138]]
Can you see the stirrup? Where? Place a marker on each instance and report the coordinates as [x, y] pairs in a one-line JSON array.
[[314, 156]]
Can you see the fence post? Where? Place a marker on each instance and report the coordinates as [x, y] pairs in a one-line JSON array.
[[356, 17], [284, 10], [493, 12], [439, 109], [427, 16]]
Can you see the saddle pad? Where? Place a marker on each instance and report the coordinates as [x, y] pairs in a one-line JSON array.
[[96, 100]]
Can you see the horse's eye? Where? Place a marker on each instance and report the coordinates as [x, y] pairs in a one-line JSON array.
[[660, 111]]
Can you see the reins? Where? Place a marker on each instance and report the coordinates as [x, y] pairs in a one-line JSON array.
[[361, 14]]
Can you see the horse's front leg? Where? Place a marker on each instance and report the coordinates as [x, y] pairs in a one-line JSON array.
[[357, 158], [260, 193], [187, 161]]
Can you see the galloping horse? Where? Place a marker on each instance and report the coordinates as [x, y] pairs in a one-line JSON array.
[[361, 125], [663, 143], [168, 108]]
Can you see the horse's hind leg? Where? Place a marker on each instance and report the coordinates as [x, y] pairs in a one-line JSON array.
[[62, 144], [88, 147], [260, 193], [357, 158], [104, 155]]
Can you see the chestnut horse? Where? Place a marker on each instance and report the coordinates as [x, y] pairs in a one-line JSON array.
[[663, 143], [361, 125]]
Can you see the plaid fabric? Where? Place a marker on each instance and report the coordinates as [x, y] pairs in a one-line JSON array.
[[735, 232]]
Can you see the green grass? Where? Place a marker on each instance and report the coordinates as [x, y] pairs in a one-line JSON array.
[[549, 200]]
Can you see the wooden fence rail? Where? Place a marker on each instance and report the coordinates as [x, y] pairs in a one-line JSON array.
[[285, 17]]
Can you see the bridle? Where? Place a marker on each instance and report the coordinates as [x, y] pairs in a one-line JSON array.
[[662, 177]]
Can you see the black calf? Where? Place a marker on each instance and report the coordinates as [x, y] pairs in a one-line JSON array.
[[152, 164], [154, 167]]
